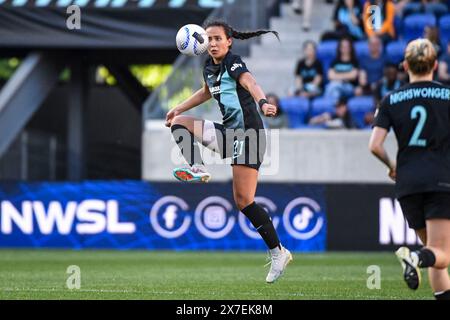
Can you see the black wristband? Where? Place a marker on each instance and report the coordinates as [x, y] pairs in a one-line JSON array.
[[262, 102]]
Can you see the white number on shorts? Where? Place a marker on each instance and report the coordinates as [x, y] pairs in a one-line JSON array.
[[238, 148]]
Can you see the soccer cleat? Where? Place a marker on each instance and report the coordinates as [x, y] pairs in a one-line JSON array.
[[411, 271], [278, 264], [197, 173]]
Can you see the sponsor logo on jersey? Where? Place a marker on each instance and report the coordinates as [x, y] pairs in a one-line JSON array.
[[214, 90], [235, 66]]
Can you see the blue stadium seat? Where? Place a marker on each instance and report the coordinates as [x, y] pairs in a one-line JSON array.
[[444, 28], [359, 106], [362, 50], [326, 53], [414, 25], [321, 105], [395, 51], [398, 26], [296, 109]]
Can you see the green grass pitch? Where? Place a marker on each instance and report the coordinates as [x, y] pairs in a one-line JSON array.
[[41, 274]]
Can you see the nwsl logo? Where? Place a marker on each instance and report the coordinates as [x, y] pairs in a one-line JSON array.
[[86, 217]]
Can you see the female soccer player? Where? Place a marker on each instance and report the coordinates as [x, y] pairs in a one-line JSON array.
[[241, 136], [419, 113]]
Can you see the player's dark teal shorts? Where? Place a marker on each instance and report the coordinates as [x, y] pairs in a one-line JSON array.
[[244, 147]]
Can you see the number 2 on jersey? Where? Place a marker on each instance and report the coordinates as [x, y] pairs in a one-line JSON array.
[[421, 112]]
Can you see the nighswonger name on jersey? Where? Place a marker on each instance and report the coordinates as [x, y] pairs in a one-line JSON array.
[[415, 93]]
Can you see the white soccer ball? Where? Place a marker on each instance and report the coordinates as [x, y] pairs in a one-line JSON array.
[[192, 40]]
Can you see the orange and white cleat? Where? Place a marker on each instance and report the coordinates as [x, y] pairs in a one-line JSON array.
[[197, 173]]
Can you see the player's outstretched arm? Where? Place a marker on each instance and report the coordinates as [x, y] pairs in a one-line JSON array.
[[199, 97], [249, 83]]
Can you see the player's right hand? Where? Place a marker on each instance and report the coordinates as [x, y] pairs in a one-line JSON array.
[[269, 110], [392, 174], [170, 116]]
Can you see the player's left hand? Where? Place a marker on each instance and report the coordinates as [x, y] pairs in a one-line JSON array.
[[269, 110]]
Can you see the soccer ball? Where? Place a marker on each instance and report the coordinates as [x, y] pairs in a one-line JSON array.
[[192, 40]]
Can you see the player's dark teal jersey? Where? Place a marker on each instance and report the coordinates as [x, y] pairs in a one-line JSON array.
[[238, 107], [419, 113]]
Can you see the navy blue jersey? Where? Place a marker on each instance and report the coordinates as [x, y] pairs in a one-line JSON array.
[[238, 107], [419, 113]]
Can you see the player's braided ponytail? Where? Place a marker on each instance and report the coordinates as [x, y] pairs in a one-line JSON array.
[[231, 33], [247, 35]]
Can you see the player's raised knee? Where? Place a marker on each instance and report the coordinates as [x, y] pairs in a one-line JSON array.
[[445, 262], [180, 120]]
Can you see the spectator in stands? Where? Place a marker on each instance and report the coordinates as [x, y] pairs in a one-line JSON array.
[[432, 33], [306, 9], [412, 6], [385, 29], [371, 67], [343, 73], [340, 119], [403, 76], [435, 7], [369, 117], [309, 73], [400, 6], [347, 21], [388, 83], [280, 120], [444, 66]]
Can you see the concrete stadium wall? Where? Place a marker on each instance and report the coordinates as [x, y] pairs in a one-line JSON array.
[[339, 156]]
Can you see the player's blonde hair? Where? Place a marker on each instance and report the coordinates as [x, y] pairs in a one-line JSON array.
[[420, 56]]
